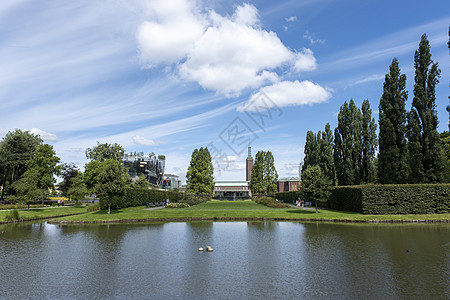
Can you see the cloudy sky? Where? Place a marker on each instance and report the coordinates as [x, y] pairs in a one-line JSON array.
[[171, 76]]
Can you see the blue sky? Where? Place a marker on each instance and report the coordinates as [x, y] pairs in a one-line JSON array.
[[171, 76]]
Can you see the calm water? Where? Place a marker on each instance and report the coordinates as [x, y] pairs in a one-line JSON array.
[[254, 260]]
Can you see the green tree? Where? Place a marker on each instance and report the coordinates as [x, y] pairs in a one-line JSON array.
[[45, 163], [91, 174], [319, 152], [312, 151], [77, 188], [423, 119], [355, 143], [369, 144], [141, 182], [315, 187], [110, 186], [26, 188], [264, 175], [347, 145], [200, 174], [105, 151], [68, 172], [98, 155], [16, 148], [326, 158], [415, 156], [392, 156], [445, 142]]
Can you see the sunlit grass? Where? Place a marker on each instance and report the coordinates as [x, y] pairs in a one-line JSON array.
[[45, 212], [223, 210]]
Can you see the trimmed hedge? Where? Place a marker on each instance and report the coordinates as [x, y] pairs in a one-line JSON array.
[[392, 199], [288, 197]]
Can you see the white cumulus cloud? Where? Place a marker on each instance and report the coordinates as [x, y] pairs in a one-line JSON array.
[[225, 54], [46, 136], [305, 61], [173, 29], [288, 93]]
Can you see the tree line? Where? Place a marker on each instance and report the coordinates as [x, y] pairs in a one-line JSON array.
[[200, 174], [410, 149], [28, 168]]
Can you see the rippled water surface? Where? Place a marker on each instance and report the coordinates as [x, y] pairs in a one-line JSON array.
[[251, 260]]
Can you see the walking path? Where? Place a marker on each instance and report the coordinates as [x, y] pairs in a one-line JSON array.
[[153, 208]]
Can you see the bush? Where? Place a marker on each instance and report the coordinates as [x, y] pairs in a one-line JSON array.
[[264, 200], [392, 199], [93, 207], [177, 205], [13, 215], [195, 199]]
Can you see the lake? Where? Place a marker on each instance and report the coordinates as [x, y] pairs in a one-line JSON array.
[[251, 260]]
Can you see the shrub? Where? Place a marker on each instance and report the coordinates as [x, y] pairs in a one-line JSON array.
[[392, 198], [93, 207], [196, 199], [177, 205], [13, 215]]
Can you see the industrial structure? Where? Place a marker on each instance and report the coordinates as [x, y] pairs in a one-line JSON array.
[[151, 166], [171, 182]]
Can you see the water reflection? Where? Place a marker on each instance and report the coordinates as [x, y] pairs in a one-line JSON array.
[[251, 260]]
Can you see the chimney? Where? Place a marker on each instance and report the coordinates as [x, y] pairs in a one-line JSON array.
[[249, 165]]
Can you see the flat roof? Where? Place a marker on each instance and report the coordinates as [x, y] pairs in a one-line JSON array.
[[230, 183], [289, 179]]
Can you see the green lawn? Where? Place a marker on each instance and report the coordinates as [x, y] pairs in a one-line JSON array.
[[217, 210], [45, 212]]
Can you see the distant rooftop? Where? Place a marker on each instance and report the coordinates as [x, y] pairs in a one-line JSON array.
[[289, 179], [231, 183]]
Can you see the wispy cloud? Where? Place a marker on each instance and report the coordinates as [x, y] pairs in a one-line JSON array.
[[291, 19], [312, 40], [137, 139], [388, 47], [374, 77]]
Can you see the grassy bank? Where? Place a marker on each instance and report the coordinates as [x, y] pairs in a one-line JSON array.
[[239, 210], [41, 213]]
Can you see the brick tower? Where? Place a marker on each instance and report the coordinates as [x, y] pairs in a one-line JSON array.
[[249, 165]]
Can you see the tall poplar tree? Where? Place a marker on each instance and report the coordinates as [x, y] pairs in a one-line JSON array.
[[311, 150], [200, 174], [423, 139], [369, 143], [355, 143], [326, 163], [347, 145], [392, 156], [319, 152]]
